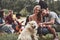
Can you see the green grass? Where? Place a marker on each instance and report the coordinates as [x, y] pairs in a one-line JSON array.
[[8, 36], [15, 36]]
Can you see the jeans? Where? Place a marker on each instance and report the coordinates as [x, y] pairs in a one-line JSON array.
[[7, 28], [42, 30]]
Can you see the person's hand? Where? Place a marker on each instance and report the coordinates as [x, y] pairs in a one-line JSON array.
[[43, 25], [40, 24]]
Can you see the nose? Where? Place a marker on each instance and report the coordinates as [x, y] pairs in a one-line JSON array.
[[34, 26]]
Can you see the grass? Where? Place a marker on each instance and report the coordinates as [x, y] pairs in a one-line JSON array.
[[15, 36], [8, 36]]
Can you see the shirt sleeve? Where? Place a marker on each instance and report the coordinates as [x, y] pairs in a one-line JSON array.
[[52, 15]]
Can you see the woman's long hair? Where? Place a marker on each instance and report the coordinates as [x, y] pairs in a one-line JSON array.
[[39, 16]]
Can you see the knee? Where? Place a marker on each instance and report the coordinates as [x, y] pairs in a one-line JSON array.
[[53, 29], [49, 26]]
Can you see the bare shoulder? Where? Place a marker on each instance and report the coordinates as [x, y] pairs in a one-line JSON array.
[[31, 15]]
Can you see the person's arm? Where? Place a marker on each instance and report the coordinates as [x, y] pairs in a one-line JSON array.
[[44, 24], [52, 21], [30, 18], [52, 16], [2, 24]]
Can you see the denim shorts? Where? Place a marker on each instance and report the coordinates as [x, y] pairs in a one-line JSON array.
[[43, 30]]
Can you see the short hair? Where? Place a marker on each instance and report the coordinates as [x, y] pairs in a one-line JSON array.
[[43, 4], [18, 15]]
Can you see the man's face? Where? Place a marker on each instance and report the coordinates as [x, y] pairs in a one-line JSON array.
[[44, 12]]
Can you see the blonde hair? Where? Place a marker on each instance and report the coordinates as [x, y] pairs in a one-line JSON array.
[[37, 6]]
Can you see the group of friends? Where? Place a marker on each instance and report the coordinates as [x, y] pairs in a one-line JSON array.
[[9, 24], [45, 18]]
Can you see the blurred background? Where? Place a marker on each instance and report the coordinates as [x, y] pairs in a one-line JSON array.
[[25, 7]]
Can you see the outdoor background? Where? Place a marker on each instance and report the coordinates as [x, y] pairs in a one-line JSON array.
[[25, 7]]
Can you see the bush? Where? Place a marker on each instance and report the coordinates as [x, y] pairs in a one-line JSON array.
[[24, 12]]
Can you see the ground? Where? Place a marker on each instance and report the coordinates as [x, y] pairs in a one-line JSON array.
[[15, 36], [5, 36]]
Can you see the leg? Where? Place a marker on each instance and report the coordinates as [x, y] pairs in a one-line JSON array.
[[52, 30]]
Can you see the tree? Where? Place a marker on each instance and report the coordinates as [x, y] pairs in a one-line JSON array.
[[17, 5]]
